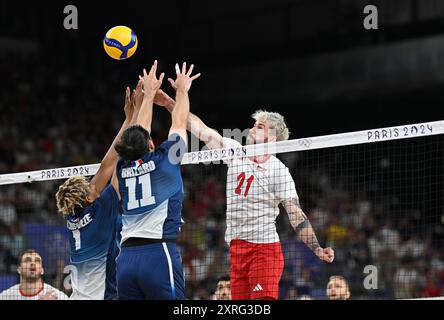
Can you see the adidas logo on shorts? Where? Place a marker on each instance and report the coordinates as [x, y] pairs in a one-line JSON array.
[[258, 288]]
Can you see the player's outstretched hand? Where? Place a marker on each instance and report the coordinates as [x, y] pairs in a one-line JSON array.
[[138, 96], [129, 107], [150, 82], [183, 78], [326, 254]]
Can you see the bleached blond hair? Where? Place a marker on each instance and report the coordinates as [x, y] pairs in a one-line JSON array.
[[72, 195], [276, 121]]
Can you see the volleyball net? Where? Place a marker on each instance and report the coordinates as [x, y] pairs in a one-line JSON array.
[[374, 196]]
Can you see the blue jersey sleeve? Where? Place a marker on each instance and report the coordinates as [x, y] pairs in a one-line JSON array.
[[173, 148], [108, 200]]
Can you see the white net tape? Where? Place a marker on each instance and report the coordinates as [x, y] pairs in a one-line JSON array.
[[215, 155]]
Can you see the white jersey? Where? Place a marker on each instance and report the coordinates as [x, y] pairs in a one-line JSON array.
[[14, 293], [254, 191], [88, 280]]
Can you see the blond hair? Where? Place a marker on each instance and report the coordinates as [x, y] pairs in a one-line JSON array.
[[276, 121], [72, 195]]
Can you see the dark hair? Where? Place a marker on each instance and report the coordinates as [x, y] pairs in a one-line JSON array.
[[133, 143], [26, 252], [225, 277]]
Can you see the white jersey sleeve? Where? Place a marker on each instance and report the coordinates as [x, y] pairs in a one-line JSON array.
[[6, 294], [284, 184]]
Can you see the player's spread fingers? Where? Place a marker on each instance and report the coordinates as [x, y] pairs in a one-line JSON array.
[[195, 76], [172, 82], [161, 77], [191, 70], [176, 67], [184, 68], [154, 68]]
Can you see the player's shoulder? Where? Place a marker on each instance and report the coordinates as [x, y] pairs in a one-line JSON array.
[[107, 194], [276, 162], [277, 167], [109, 190], [11, 290], [12, 293]]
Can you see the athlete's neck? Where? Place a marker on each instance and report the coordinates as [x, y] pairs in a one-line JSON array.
[[31, 288]]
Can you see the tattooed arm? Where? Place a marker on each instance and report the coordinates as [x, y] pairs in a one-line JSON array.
[[304, 230]]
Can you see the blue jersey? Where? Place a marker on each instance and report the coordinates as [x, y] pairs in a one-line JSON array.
[[93, 247], [151, 190]]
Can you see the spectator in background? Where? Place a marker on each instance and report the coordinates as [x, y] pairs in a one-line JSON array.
[[338, 288], [320, 215], [390, 236], [8, 213], [292, 293], [223, 288], [432, 288], [337, 234], [31, 286], [407, 279], [415, 247]]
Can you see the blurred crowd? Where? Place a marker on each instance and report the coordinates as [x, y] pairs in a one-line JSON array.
[[47, 123]]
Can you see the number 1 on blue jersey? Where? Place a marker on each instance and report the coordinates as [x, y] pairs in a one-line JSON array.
[[147, 198], [76, 236]]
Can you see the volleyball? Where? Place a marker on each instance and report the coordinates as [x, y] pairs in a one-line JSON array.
[[120, 42]]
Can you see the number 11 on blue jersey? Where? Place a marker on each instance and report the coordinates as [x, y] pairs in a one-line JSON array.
[[147, 197]]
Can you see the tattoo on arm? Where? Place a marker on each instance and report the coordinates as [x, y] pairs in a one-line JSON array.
[[301, 224], [308, 236]]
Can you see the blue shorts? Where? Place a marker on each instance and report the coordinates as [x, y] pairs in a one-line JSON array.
[[150, 272]]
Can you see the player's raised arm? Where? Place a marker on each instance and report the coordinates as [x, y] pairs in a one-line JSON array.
[[137, 99], [303, 228], [194, 124], [103, 175], [150, 86], [182, 84]]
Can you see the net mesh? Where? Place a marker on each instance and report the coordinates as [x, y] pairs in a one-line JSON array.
[[378, 205]]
